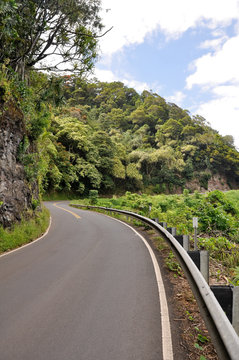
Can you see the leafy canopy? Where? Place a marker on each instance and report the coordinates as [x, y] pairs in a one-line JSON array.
[[64, 30]]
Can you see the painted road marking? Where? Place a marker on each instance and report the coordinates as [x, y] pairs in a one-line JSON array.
[[69, 211], [165, 323]]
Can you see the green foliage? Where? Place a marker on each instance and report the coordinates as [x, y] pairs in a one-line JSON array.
[[35, 204], [105, 136], [213, 244], [31, 30], [93, 196], [179, 210], [221, 249], [189, 316], [201, 338], [203, 180], [25, 232], [216, 215], [173, 265], [233, 197], [235, 281], [157, 147]]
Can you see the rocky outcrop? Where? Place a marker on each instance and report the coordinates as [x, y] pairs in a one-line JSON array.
[[15, 193], [216, 182]]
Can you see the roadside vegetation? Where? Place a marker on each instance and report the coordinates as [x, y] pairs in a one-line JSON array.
[[217, 212], [29, 229]]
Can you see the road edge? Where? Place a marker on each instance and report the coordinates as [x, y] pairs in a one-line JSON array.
[[167, 346]]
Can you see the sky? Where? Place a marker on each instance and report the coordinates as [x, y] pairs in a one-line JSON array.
[[186, 51]]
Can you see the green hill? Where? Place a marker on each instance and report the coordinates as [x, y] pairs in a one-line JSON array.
[[110, 138]]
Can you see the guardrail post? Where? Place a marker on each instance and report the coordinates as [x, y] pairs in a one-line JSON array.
[[172, 230], [163, 224], [201, 260], [195, 256], [228, 298], [204, 264], [235, 309], [224, 294], [186, 242], [195, 226], [183, 241]]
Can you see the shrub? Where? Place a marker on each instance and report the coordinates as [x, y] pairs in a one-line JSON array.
[[93, 197]]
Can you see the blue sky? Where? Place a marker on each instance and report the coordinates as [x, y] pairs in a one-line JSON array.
[[187, 51]]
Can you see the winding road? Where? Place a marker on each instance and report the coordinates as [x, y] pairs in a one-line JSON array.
[[86, 291]]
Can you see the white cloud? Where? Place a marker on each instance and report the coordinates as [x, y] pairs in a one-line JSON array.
[[109, 76], [217, 68], [133, 20], [223, 111], [214, 44], [177, 98], [105, 75], [217, 74], [137, 85]]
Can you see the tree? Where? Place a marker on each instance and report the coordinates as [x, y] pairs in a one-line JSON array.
[[64, 30], [171, 129], [175, 112]]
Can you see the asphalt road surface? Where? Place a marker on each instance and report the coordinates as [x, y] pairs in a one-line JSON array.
[[86, 291]]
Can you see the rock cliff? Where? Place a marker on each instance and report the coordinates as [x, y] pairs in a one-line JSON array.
[[15, 193]]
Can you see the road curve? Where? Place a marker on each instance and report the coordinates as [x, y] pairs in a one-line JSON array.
[[86, 291]]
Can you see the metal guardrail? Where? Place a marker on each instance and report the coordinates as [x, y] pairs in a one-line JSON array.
[[224, 337]]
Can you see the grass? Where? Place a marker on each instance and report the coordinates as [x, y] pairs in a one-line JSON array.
[[233, 196], [24, 232]]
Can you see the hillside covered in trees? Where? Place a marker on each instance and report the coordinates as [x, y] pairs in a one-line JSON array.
[[61, 133], [108, 137]]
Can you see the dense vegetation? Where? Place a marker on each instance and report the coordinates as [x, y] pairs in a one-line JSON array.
[[106, 136], [37, 35], [88, 135], [64, 30], [217, 212], [110, 138]]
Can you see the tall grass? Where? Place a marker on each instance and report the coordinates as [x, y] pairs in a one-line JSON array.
[[24, 232]]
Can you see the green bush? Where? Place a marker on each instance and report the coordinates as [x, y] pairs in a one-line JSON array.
[[93, 196]]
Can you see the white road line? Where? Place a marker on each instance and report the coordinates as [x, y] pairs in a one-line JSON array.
[[30, 243], [165, 323]]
